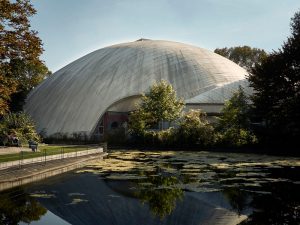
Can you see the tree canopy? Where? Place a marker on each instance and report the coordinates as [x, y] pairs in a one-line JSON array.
[[276, 82], [194, 129], [244, 56], [20, 48], [19, 125], [159, 104], [234, 123]]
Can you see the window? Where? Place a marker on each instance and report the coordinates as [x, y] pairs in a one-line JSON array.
[[114, 125], [101, 128]]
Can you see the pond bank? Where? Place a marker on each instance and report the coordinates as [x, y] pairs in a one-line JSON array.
[[16, 176]]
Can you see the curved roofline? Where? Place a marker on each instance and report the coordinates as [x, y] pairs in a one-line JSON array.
[[75, 97], [118, 101]]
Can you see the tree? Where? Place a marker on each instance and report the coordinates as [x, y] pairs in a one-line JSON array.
[[277, 89], [20, 49], [28, 76], [159, 104], [234, 123], [244, 56], [195, 129], [18, 125]]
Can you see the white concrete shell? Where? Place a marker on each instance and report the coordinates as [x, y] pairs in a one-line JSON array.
[[74, 98], [221, 94]]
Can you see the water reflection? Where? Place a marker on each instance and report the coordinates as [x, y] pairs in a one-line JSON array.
[[237, 198], [264, 188], [17, 206], [273, 201], [280, 207], [159, 191], [176, 187]]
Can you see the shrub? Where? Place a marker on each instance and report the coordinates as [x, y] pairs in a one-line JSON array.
[[17, 125], [237, 137], [194, 129]]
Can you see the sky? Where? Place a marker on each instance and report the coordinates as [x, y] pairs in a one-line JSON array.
[[70, 29]]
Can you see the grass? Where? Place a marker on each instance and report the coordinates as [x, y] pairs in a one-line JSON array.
[[42, 150]]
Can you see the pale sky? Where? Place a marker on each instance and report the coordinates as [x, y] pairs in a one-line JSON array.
[[70, 29]]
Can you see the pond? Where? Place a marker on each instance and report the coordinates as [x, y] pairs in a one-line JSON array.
[[163, 187]]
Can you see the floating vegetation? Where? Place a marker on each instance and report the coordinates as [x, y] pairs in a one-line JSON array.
[[76, 194], [202, 166], [42, 195], [77, 200], [160, 179]]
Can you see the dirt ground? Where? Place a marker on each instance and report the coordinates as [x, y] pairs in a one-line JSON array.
[[11, 150]]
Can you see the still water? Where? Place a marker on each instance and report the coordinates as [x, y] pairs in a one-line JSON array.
[[134, 187]]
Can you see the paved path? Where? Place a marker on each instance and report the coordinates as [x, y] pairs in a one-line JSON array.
[[12, 150], [16, 176]]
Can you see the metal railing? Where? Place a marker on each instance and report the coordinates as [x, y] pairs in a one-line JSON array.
[[43, 157]]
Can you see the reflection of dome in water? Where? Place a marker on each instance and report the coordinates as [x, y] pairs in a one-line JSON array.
[[98, 203], [111, 79]]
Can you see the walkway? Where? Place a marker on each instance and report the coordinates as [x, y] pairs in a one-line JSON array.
[[16, 176]]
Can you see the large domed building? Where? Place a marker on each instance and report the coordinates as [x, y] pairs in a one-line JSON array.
[[96, 92]]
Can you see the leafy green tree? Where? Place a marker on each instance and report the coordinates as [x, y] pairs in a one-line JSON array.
[[277, 89], [159, 104], [234, 123], [195, 129], [244, 56], [28, 76], [20, 49], [19, 125]]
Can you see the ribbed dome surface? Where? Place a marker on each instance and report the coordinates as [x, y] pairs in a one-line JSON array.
[[74, 98]]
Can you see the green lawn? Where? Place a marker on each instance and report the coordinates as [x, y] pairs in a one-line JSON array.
[[42, 150]]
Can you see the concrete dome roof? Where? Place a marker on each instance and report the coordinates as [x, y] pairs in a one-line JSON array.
[[74, 98], [222, 93]]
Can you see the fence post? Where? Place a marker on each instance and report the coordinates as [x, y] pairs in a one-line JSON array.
[[21, 159]]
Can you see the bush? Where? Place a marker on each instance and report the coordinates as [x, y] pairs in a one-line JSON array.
[[162, 138], [194, 129], [17, 125], [237, 137]]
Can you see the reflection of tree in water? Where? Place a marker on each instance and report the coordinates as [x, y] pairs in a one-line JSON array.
[[272, 202], [280, 207], [160, 192], [237, 198], [17, 206]]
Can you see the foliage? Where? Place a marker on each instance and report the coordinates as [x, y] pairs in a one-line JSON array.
[[163, 138], [75, 138], [244, 56], [19, 125], [195, 129], [28, 76], [159, 104], [234, 123], [237, 137], [138, 122], [235, 111], [20, 49], [277, 89]]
